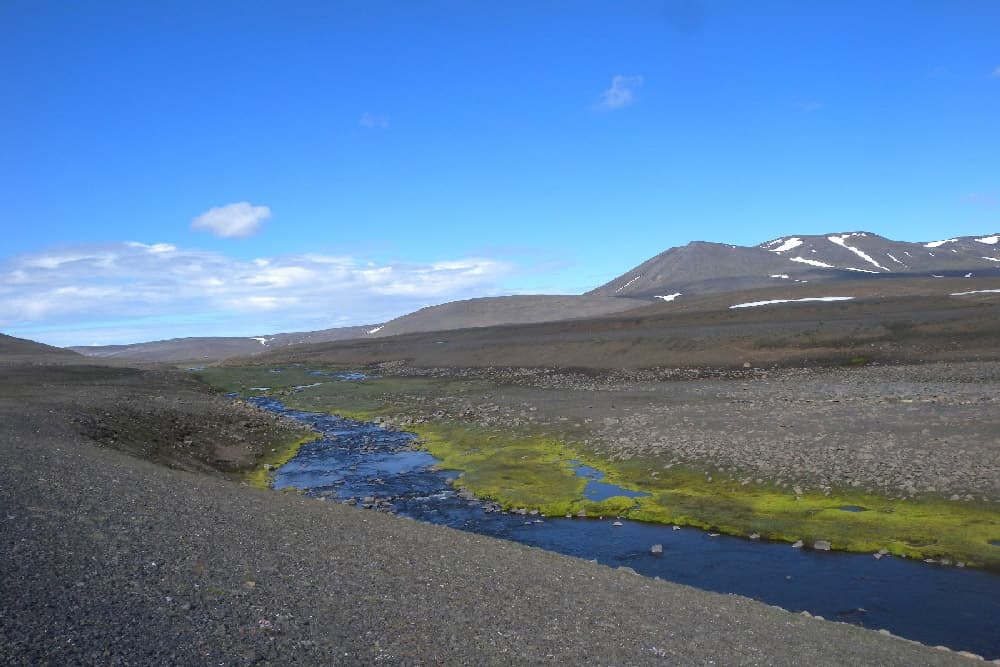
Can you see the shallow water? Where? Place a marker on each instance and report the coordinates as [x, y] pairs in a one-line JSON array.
[[363, 463], [597, 490], [852, 508]]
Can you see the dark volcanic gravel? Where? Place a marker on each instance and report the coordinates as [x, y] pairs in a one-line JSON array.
[[899, 430], [111, 559]]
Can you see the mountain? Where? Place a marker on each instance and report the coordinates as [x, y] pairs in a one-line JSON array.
[[492, 311], [795, 266], [215, 348], [21, 348], [705, 268]]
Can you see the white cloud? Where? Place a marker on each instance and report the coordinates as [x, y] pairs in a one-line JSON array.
[[620, 94], [374, 121], [811, 106], [155, 247], [69, 296], [996, 72], [237, 220]]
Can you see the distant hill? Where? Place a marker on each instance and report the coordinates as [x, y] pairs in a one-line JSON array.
[[908, 320], [798, 266], [705, 268], [492, 311], [24, 348], [214, 348]]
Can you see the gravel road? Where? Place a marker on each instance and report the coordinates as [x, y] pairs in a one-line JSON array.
[[111, 559]]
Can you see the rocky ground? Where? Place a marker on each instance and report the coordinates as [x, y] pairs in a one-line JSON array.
[[157, 414], [112, 559], [898, 430]]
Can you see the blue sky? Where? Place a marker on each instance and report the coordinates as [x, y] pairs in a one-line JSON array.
[[366, 159]]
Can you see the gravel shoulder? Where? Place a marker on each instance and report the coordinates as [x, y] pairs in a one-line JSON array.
[[112, 559]]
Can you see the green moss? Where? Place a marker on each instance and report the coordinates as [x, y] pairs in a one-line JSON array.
[[533, 470], [261, 477]]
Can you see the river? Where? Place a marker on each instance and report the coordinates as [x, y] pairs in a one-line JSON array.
[[364, 464]]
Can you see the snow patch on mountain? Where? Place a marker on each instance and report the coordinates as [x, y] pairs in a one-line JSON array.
[[669, 297], [786, 244], [754, 304], [628, 283], [938, 244], [812, 262], [977, 291], [990, 240], [842, 242]]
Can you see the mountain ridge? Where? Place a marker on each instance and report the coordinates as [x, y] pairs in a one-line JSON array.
[[797, 264], [703, 267], [197, 348]]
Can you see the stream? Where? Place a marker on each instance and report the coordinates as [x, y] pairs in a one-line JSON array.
[[363, 464]]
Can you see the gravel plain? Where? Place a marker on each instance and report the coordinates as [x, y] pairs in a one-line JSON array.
[[112, 559], [898, 430]]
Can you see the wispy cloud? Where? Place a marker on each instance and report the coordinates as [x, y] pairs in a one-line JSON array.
[[66, 296], [996, 72], [621, 93], [374, 121], [810, 106], [237, 220]]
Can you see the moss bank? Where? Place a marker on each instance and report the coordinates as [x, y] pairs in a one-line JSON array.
[[261, 475], [534, 470]]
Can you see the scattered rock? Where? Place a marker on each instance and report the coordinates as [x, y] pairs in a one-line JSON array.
[[821, 545], [656, 550]]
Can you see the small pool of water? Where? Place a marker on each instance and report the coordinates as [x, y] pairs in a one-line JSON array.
[[363, 464], [600, 491], [596, 490], [351, 376], [852, 508]]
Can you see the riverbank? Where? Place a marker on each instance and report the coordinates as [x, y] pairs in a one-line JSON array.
[[360, 463], [860, 459], [112, 559]]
